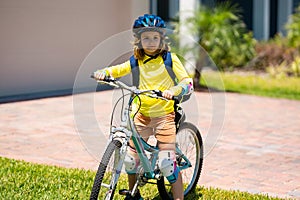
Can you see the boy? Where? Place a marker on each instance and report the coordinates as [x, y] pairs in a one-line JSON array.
[[155, 116]]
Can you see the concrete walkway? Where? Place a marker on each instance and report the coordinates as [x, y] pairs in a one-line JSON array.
[[251, 143]]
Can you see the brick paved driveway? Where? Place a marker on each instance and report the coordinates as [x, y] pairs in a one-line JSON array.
[[251, 143]]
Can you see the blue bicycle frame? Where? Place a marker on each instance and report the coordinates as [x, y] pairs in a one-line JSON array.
[[142, 146]]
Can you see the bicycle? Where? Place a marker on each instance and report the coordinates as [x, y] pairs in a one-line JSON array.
[[189, 151]]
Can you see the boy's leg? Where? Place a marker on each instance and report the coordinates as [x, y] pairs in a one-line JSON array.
[[141, 124], [177, 187], [166, 136], [132, 174], [131, 180]]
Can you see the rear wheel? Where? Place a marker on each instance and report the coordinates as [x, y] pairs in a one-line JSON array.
[[190, 143], [108, 172]]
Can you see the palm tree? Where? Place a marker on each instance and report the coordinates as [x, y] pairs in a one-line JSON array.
[[222, 33]]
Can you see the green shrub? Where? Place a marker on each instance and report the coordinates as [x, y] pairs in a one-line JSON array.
[[278, 71], [271, 54], [293, 29], [281, 55], [223, 35], [276, 57], [295, 67]]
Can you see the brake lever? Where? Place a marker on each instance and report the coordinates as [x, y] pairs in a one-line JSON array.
[[157, 97], [159, 94]]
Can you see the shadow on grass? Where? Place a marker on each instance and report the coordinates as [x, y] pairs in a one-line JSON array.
[[194, 194]]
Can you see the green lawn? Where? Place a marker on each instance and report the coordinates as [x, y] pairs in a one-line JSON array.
[[288, 88], [23, 180]]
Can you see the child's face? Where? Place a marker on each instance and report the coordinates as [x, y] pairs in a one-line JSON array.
[[150, 42]]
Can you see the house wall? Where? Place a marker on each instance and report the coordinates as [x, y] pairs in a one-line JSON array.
[[44, 42]]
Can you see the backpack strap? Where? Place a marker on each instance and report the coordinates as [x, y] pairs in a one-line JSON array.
[[135, 72], [169, 65]]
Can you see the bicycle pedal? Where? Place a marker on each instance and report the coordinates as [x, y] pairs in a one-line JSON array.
[[124, 192]]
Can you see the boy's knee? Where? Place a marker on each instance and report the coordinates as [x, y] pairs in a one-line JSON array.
[[167, 165], [131, 161]]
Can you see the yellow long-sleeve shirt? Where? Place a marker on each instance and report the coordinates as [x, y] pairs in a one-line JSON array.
[[153, 75]]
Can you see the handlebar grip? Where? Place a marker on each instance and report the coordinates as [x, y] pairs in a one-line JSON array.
[[106, 79], [159, 93]]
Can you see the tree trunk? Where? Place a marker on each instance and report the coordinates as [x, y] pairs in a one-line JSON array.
[[196, 80], [199, 66]]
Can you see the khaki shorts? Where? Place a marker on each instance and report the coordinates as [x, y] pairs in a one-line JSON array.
[[163, 128]]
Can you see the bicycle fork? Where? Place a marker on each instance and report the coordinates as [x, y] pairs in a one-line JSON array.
[[121, 135]]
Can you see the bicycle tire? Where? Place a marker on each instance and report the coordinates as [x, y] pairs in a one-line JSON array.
[[102, 172], [190, 138]]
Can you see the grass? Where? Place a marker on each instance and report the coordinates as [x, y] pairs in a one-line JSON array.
[[288, 88], [23, 180]]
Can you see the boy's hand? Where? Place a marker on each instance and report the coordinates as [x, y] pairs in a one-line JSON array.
[[168, 94], [100, 75]]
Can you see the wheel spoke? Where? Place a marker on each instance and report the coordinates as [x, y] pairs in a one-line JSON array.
[[105, 185]]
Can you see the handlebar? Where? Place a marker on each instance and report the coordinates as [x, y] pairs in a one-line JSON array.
[[106, 79], [115, 83]]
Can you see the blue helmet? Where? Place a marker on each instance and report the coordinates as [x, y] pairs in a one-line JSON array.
[[149, 22]]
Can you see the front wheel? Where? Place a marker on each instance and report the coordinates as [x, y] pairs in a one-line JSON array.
[[190, 143], [108, 172]]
